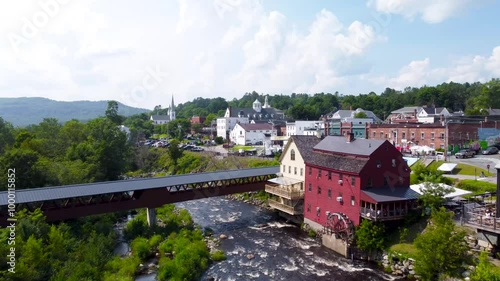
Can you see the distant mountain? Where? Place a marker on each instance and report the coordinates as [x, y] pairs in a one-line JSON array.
[[26, 111]]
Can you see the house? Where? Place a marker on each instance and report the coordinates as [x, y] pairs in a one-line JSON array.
[[305, 128], [197, 120], [287, 190], [419, 114], [343, 115], [431, 115], [258, 112], [243, 134], [355, 178], [406, 114]]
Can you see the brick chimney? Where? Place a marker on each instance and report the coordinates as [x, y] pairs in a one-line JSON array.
[[349, 137]]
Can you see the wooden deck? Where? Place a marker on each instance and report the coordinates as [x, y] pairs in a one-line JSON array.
[[482, 222]]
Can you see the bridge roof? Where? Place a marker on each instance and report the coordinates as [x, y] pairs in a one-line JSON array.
[[80, 190]]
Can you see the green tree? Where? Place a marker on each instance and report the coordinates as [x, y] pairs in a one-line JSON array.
[[112, 112], [108, 148], [484, 270], [360, 114], [175, 153], [441, 248], [370, 236], [433, 194], [219, 140], [208, 120], [6, 135]]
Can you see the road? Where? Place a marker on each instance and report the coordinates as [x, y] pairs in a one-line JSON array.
[[480, 161]]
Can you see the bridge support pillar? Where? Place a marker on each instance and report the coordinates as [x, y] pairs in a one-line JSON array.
[[151, 215]]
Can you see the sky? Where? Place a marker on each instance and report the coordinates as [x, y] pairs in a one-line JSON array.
[[140, 53]]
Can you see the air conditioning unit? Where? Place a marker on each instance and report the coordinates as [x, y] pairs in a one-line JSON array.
[[339, 199], [340, 182]]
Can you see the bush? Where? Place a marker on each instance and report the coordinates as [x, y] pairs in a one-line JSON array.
[[218, 256], [154, 241], [311, 233], [135, 228], [219, 140], [477, 186], [140, 248], [370, 236]]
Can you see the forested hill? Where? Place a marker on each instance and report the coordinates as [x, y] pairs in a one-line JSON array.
[[26, 111], [472, 99]]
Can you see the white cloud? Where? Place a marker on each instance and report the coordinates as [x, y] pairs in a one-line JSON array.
[[465, 69], [430, 11]]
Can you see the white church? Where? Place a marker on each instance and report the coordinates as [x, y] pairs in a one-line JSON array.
[[164, 119]]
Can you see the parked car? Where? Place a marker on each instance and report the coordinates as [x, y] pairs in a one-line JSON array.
[[465, 153], [490, 150]]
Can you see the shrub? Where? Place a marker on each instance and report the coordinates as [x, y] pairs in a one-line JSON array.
[[140, 248], [311, 233], [477, 186], [370, 236], [135, 228], [218, 256], [154, 241]]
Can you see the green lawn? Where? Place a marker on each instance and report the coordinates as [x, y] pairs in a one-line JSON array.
[[244, 147], [463, 169]]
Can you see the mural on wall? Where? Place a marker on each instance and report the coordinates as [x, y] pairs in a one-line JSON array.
[[488, 136]]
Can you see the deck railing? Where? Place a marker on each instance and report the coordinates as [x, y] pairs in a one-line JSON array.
[[482, 221], [292, 210], [383, 215], [285, 192]]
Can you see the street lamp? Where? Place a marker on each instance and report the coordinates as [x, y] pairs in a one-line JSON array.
[[446, 135]]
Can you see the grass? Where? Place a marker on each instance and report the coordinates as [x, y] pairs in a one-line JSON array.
[[244, 147], [405, 249], [463, 169]]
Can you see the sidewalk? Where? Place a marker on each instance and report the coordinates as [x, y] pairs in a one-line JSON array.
[[492, 179]]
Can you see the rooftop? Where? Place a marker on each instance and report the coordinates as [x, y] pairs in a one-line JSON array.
[[256, 126], [391, 194], [335, 144]]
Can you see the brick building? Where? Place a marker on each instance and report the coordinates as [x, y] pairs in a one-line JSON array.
[[357, 178], [457, 133], [197, 120]]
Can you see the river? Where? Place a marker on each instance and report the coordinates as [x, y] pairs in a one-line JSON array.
[[281, 251]]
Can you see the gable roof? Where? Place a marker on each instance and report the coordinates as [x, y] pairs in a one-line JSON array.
[[304, 144], [494, 111], [160, 117], [350, 113], [235, 112], [433, 110], [336, 144], [407, 109], [256, 126], [336, 162]]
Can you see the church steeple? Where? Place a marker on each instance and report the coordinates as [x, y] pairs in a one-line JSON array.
[[171, 111], [266, 104]]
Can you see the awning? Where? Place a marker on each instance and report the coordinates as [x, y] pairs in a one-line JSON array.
[[390, 194], [447, 167], [457, 191], [285, 181]]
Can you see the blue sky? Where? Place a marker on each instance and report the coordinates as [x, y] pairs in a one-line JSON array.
[[142, 52]]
